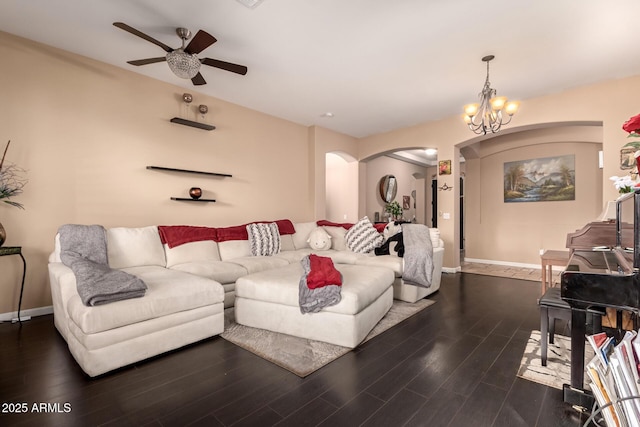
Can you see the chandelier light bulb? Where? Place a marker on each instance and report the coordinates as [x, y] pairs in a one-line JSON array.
[[511, 107]]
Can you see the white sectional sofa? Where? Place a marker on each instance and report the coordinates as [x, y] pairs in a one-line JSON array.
[[188, 286]]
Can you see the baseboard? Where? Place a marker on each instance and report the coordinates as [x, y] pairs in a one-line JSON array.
[[451, 270], [508, 263], [31, 312]]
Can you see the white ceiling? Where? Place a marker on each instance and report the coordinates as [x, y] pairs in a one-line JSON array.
[[377, 65]]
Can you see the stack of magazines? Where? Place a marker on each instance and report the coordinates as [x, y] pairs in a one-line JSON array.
[[614, 378]]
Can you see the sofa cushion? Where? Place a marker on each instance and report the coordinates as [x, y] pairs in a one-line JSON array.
[[232, 249], [205, 250], [303, 229], [220, 271], [338, 237], [391, 262], [168, 292], [363, 237], [340, 257], [134, 247], [255, 264], [286, 243], [264, 239], [295, 255], [360, 286]]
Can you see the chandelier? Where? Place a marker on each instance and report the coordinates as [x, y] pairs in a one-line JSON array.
[[183, 64], [489, 114]]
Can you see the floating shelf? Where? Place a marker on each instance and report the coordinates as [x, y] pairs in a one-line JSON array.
[[188, 199], [191, 123], [161, 168]]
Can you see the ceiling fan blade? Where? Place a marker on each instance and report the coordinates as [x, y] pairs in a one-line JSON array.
[[142, 35], [200, 42], [147, 61], [228, 66], [198, 80]]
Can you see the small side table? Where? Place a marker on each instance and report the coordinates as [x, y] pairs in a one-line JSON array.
[[16, 250], [548, 260]]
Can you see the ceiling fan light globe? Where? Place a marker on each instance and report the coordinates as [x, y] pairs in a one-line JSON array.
[[183, 65]]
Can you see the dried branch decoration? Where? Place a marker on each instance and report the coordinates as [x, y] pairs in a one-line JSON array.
[[11, 180]]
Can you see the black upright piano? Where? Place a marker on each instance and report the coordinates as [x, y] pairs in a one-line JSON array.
[[604, 275]]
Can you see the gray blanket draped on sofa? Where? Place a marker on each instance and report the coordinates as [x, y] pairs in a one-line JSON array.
[[83, 248], [418, 255]]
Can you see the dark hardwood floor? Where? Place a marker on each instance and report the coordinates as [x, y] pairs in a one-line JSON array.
[[454, 364]]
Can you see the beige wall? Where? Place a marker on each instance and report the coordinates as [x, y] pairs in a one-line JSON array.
[[86, 131], [515, 232]]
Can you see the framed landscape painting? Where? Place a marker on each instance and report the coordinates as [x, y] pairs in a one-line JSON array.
[[540, 180]]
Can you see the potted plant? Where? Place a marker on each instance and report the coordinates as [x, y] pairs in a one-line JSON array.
[[394, 209]]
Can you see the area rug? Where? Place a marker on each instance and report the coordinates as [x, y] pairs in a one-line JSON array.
[[558, 369], [303, 356]]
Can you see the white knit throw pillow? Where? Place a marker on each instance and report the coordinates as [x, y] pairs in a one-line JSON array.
[[363, 237], [264, 239]]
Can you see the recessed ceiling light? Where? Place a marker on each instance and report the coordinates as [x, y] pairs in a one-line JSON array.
[[328, 114], [430, 151]]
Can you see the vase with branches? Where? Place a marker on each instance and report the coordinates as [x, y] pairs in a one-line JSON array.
[[12, 181]]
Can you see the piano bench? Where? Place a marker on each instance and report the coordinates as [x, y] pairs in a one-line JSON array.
[[553, 307]]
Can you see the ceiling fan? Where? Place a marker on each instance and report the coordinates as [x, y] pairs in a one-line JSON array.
[[183, 61]]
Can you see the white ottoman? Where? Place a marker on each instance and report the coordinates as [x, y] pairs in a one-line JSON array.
[[269, 300]]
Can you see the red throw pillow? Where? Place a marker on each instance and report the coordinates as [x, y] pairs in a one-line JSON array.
[[322, 272]]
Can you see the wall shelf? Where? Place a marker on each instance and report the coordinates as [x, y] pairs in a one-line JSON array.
[[191, 123], [161, 168], [188, 199]]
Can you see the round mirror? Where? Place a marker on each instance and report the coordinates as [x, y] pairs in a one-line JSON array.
[[388, 188]]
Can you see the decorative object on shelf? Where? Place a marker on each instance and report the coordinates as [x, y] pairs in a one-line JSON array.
[[388, 187], [195, 192], [488, 115], [184, 61], [445, 187], [203, 109], [394, 209], [187, 98], [444, 167], [162, 168]]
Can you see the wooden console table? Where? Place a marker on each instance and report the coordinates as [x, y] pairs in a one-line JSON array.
[[16, 250], [548, 260]]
